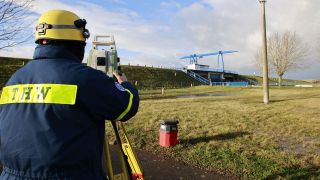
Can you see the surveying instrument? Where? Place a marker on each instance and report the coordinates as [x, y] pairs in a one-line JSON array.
[[103, 56]]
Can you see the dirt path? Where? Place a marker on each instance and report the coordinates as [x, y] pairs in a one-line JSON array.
[[155, 167], [158, 168]]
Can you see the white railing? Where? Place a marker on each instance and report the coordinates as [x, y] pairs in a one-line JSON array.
[[198, 77], [229, 83]]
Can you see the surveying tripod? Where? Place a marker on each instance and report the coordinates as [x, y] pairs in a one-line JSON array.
[[130, 167]]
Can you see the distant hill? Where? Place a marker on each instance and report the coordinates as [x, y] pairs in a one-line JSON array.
[[7, 61], [153, 78], [314, 81], [8, 66], [146, 77], [142, 77], [274, 81]]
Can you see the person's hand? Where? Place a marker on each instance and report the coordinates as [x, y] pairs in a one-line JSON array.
[[120, 77]]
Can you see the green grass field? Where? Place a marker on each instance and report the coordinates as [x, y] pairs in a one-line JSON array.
[[236, 134]]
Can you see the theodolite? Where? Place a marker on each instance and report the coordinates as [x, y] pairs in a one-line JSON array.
[[103, 55]]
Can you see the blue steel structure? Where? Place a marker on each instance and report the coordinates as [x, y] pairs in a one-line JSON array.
[[194, 57], [212, 76]]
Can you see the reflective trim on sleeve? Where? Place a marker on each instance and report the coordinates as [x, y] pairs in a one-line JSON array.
[[39, 93], [128, 107]]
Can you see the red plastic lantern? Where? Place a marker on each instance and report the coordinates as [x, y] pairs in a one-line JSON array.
[[168, 135]]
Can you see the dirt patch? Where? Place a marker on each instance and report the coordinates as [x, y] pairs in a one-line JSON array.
[[299, 147], [156, 167], [205, 95]]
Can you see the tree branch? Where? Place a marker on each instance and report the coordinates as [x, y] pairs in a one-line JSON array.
[[286, 52], [14, 24]]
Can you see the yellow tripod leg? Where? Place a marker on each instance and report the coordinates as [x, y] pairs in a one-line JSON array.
[[137, 173], [126, 171], [107, 158], [130, 165]]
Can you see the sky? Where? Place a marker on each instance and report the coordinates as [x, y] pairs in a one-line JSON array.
[[159, 32]]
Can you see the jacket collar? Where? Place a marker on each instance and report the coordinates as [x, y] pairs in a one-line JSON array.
[[53, 52]]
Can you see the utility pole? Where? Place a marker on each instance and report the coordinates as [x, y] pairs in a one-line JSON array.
[[264, 54]]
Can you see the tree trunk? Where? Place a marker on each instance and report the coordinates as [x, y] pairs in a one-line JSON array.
[[279, 81]]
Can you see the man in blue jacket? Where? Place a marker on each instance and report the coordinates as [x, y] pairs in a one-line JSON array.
[[53, 110]]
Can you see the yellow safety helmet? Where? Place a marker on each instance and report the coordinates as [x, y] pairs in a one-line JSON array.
[[61, 25]]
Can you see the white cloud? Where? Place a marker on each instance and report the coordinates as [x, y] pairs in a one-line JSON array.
[[170, 4], [235, 25], [20, 51], [203, 26], [117, 2]]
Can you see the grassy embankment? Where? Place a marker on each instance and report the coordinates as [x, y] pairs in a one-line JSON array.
[[142, 77], [156, 78], [8, 66], [274, 81], [237, 134]]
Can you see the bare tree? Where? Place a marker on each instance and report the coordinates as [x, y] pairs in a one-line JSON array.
[[14, 22], [259, 61], [286, 52]]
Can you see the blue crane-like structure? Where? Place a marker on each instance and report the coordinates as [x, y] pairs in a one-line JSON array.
[[195, 57]]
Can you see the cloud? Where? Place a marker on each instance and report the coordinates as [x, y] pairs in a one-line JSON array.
[[215, 25], [20, 51], [117, 2], [170, 4], [235, 25], [198, 27]]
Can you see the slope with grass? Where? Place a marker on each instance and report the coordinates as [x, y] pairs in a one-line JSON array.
[[8, 66], [274, 81], [141, 77], [155, 78]]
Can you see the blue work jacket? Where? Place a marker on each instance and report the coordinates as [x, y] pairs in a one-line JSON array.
[[52, 117]]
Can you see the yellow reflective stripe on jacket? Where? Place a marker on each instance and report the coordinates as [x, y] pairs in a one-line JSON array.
[[39, 93], [128, 107]]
